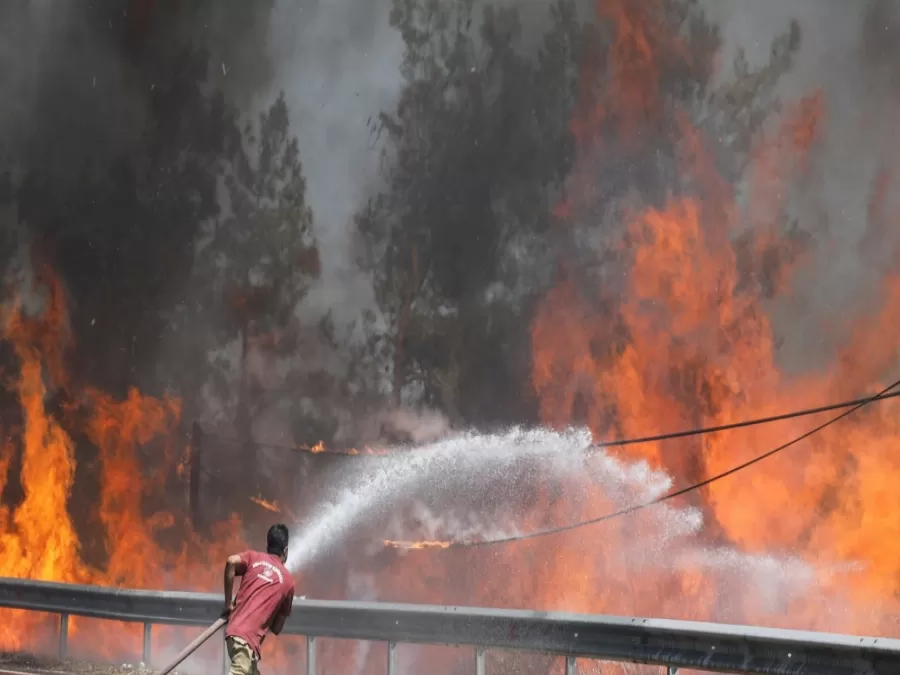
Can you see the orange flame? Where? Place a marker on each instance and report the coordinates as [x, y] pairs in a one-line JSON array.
[[688, 341], [38, 538], [416, 545], [267, 505]]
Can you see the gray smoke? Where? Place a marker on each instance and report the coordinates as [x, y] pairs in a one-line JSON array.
[[23, 33], [848, 51], [339, 66], [338, 62]]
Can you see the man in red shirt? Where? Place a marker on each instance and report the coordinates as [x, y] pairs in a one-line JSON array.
[[263, 600]]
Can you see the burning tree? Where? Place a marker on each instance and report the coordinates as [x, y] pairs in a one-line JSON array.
[[254, 263], [253, 267], [496, 136], [652, 317], [561, 236], [477, 147], [114, 193]]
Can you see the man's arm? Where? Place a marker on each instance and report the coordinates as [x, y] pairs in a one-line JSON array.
[[234, 566], [278, 623], [284, 611]]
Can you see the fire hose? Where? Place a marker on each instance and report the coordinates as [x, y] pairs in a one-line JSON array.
[[194, 646]]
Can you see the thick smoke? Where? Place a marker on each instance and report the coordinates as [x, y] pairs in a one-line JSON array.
[[339, 66], [77, 67], [84, 86], [24, 32], [844, 52], [338, 63], [104, 58], [847, 51]]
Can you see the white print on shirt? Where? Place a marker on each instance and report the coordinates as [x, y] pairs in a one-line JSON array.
[[270, 569]]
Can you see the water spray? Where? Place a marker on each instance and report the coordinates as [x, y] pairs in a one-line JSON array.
[[858, 404]]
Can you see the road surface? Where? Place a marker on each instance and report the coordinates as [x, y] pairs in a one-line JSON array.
[[24, 664]]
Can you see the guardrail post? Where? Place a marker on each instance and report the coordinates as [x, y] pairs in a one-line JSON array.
[[571, 666], [196, 448], [310, 655], [392, 658], [672, 670], [63, 636], [479, 661], [146, 653]]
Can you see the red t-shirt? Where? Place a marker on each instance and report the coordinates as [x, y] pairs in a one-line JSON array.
[[266, 590]]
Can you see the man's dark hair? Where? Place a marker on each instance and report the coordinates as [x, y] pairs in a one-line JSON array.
[[277, 539]]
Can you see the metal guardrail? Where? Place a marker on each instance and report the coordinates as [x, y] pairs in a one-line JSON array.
[[671, 644]]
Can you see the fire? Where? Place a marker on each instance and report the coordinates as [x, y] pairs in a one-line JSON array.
[[38, 537], [684, 337], [267, 505], [320, 448], [416, 545], [688, 340]]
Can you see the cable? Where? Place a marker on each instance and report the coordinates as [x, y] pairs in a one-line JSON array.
[[748, 423], [883, 394], [700, 431]]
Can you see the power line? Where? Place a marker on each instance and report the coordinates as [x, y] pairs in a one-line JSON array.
[[883, 394], [749, 423], [699, 431]]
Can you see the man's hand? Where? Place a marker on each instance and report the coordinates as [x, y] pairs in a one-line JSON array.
[[229, 608]]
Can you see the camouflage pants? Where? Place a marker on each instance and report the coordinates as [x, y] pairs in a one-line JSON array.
[[243, 660]]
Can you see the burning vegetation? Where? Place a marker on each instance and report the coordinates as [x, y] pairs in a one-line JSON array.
[[597, 227], [146, 539]]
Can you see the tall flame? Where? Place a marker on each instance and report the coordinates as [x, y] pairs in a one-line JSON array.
[[38, 538], [685, 337], [688, 341]]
